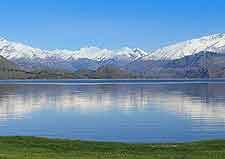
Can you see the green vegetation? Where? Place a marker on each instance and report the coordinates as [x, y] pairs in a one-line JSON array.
[[106, 72], [9, 70], [43, 148]]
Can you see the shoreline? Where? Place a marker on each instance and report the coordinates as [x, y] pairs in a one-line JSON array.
[[110, 81], [22, 147]]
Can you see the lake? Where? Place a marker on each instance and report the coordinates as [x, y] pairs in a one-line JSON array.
[[142, 111]]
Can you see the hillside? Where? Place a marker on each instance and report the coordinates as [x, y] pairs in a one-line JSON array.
[[9, 70], [202, 65], [212, 43]]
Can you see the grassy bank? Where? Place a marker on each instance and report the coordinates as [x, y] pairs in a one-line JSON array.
[[42, 148]]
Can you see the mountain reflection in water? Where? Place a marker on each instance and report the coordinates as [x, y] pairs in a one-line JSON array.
[[146, 110]]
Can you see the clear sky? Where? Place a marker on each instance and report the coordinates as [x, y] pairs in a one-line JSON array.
[[72, 24]]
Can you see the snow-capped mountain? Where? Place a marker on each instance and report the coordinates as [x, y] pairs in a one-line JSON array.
[[214, 43], [93, 57], [88, 58]]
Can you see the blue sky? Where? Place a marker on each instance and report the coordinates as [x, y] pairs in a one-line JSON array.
[[72, 24]]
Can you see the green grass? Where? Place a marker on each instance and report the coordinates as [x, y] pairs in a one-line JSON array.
[[43, 148]]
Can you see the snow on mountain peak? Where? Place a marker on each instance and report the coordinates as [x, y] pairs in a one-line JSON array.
[[140, 52], [215, 43], [12, 50], [25, 55]]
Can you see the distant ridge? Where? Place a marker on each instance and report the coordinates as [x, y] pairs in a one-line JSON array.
[[197, 58], [213, 43], [85, 58]]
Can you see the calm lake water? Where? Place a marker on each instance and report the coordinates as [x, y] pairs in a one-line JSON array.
[[107, 110]]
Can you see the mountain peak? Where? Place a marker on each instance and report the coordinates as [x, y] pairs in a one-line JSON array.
[[214, 43], [139, 51], [219, 35]]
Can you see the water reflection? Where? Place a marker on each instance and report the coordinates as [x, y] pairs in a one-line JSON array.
[[192, 99], [144, 107]]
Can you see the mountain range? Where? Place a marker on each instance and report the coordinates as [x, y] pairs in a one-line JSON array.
[[197, 58], [85, 58]]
